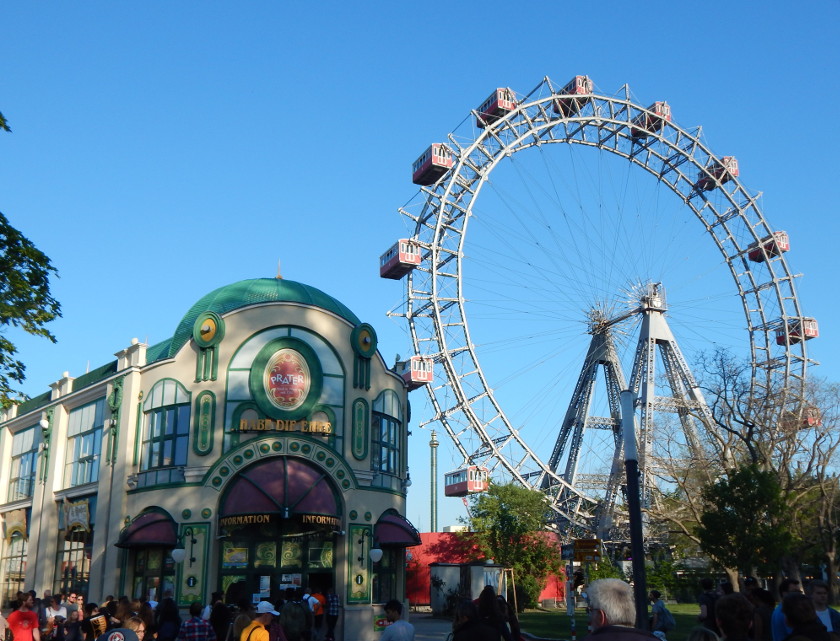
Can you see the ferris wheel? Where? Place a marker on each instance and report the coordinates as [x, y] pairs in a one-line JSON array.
[[583, 210]]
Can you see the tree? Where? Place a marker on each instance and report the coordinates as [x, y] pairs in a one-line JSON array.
[[509, 523], [744, 525], [25, 301], [4, 126], [773, 431]]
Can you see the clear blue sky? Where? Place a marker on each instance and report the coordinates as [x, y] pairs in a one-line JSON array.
[[160, 150]]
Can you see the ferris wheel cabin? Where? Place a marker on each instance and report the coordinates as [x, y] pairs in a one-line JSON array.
[[796, 330], [573, 96], [416, 371], [719, 173], [651, 120], [805, 417], [467, 480], [772, 245], [401, 258], [432, 164], [498, 104]]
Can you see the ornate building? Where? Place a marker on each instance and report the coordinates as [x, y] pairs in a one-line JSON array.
[[263, 445]]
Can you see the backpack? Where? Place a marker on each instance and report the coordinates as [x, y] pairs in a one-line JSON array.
[[667, 621], [293, 618]]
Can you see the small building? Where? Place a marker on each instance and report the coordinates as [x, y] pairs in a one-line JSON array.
[[263, 445], [435, 567]]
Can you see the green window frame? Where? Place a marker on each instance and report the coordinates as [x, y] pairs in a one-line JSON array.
[[166, 427], [386, 434]]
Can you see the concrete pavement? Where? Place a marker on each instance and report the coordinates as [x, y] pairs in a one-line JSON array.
[[429, 628]]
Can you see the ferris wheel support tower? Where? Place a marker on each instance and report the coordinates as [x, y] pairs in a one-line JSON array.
[[686, 399]]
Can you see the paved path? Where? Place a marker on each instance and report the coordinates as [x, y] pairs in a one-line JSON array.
[[429, 628]]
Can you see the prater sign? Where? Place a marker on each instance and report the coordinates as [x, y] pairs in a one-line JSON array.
[[287, 379]]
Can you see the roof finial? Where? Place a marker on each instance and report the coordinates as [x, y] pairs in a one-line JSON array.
[[279, 275]]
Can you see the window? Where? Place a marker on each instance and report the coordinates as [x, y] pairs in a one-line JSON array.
[[384, 580], [24, 459], [84, 435], [12, 569], [166, 429], [386, 433], [75, 544]]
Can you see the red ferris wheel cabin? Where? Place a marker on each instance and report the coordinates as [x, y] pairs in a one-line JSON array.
[[719, 173], [796, 330], [573, 96], [651, 120], [416, 371], [467, 480], [401, 258], [498, 104], [769, 246], [432, 164]]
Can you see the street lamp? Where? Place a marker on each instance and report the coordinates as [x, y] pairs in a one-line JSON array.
[[375, 552], [179, 554]]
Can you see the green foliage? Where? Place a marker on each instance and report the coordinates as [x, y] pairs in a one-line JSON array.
[[509, 522], [743, 523], [4, 126], [604, 570], [663, 577], [25, 300]]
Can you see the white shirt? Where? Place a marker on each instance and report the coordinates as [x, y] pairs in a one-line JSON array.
[[398, 631], [61, 612]]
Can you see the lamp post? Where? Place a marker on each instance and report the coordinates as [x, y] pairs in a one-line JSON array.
[[634, 507]]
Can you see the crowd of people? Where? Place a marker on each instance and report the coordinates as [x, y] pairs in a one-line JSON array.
[[297, 615], [725, 615], [309, 615]]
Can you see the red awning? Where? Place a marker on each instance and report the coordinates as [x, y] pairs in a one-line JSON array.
[[152, 527], [394, 530], [284, 486]]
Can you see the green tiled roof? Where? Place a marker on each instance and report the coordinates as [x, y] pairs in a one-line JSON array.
[[94, 376], [159, 351], [34, 403], [252, 292]]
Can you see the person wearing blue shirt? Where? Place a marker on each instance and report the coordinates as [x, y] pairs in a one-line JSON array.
[[778, 628]]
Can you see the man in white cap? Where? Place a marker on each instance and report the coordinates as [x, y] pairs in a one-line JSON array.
[[257, 630]]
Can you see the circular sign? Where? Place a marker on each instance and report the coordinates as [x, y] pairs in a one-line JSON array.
[[363, 339], [208, 329], [287, 379]]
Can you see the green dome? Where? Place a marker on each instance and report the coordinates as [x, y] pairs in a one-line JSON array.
[[253, 292]]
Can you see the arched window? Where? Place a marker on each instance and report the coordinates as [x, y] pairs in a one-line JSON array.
[[386, 433], [12, 569], [166, 433]]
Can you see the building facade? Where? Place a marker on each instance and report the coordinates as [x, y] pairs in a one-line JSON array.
[[263, 445]]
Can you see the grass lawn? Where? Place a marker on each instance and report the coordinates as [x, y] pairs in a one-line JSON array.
[[555, 624]]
